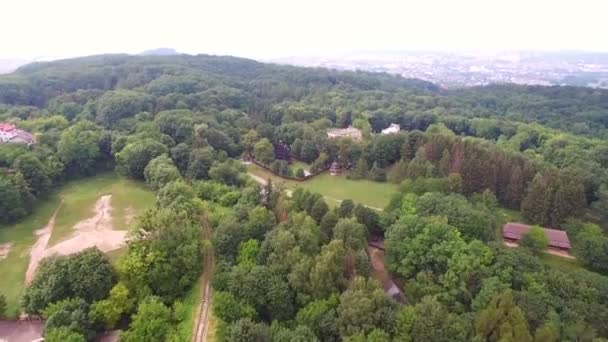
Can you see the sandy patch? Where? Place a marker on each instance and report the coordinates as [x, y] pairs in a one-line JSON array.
[[5, 248], [37, 251], [96, 231]]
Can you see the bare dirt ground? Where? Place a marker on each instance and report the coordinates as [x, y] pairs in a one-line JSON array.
[[5, 248], [96, 231], [558, 253], [201, 326], [16, 331], [37, 251], [379, 271]]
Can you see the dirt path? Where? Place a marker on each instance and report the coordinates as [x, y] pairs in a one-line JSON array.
[[96, 231], [201, 328], [380, 273], [37, 251]]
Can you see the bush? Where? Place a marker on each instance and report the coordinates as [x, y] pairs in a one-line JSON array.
[[300, 173], [2, 305], [87, 275], [535, 240], [230, 198], [63, 334]]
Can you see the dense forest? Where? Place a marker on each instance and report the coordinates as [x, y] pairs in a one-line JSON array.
[[292, 268]]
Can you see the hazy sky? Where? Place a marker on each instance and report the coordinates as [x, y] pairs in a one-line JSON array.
[[277, 28]]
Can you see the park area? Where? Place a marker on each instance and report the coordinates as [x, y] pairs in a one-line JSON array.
[[95, 211], [335, 189]]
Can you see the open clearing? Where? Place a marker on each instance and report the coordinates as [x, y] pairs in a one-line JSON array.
[[337, 188], [77, 204]]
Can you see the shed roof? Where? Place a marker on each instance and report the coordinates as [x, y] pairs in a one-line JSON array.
[[516, 231]]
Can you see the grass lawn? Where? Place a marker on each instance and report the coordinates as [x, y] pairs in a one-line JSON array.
[[128, 198], [296, 165], [21, 235], [79, 198], [564, 264], [338, 188]]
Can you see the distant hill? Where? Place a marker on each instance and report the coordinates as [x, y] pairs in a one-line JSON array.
[[160, 52]]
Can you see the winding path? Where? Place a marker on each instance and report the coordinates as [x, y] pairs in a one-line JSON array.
[[37, 251], [201, 328]]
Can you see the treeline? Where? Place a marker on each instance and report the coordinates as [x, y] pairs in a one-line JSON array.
[[294, 269]]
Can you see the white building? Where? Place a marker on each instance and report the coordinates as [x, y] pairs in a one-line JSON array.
[[349, 132], [392, 129], [10, 134]]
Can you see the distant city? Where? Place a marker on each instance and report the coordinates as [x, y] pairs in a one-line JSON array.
[[453, 70]]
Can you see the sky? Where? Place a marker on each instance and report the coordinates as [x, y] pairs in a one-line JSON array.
[[282, 28]]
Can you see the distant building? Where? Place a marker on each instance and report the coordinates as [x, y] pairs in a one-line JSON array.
[[349, 132], [392, 129], [514, 232], [335, 168], [282, 151], [11, 134]]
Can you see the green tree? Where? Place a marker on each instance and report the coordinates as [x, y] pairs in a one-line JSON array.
[[122, 103], [327, 274], [321, 317], [228, 172], [263, 151], [2, 305], [109, 311], [164, 257], [175, 123], [260, 221], [249, 140], [300, 173], [535, 240], [443, 168], [592, 248], [229, 309], [200, 162], [245, 330], [152, 322], [502, 320], [328, 222], [364, 307], [34, 173], [351, 232], [63, 334], [78, 148], [319, 209], [160, 171], [346, 208], [429, 320], [72, 313], [360, 170], [134, 158], [377, 173], [87, 275]]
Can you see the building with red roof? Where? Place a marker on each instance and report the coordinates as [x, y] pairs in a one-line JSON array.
[[558, 239]]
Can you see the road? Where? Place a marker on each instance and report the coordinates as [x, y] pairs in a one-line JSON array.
[[201, 328]]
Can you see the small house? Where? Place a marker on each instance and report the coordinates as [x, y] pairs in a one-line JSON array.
[[392, 129], [282, 151], [335, 168], [349, 132]]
